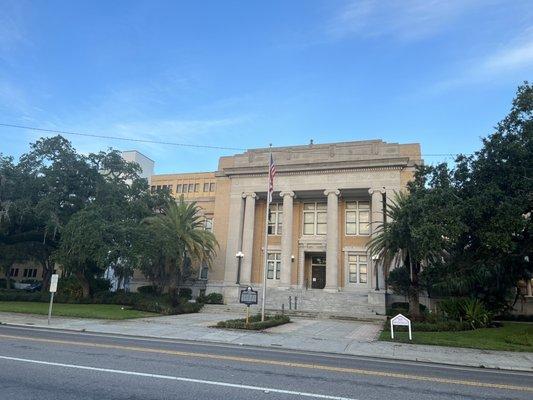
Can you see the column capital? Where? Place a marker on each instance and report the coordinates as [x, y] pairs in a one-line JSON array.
[[287, 193], [249, 194], [371, 191], [336, 192]]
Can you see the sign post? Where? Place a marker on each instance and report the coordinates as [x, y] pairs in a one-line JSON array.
[[400, 320], [248, 296], [53, 290]]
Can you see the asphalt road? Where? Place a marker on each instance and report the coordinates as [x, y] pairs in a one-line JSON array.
[[45, 364]]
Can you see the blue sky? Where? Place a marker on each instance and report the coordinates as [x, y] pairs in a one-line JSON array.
[[249, 73]]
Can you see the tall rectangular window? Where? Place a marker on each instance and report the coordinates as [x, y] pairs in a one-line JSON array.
[[315, 219], [208, 224], [178, 188], [273, 265], [357, 218], [275, 219], [191, 187], [206, 187], [212, 187], [204, 270], [196, 187], [357, 268]]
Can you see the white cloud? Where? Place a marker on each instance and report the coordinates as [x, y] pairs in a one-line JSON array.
[[12, 30], [517, 55], [513, 59], [400, 19]]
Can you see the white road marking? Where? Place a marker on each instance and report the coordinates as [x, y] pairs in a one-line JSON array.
[[181, 379]]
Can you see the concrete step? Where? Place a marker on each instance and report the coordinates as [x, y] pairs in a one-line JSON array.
[[368, 316]]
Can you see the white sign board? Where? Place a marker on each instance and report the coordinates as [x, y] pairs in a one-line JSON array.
[[400, 320], [53, 283]]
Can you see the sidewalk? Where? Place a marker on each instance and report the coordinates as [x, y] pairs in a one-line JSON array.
[[329, 336]]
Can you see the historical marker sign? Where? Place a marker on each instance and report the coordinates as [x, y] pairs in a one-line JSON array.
[[400, 320], [248, 296]]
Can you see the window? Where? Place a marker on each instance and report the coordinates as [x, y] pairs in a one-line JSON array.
[[178, 188], [273, 265], [170, 188], [206, 187], [158, 187], [357, 218], [152, 189], [196, 187], [315, 217], [29, 273], [14, 272], [191, 187], [212, 187], [357, 268], [208, 224], [184, 188], [275, 219], [204, 271]]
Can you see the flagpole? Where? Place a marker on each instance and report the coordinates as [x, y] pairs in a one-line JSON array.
[[265, 245]]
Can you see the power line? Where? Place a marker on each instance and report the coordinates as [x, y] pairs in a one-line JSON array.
[[339, 152], [119, 138]]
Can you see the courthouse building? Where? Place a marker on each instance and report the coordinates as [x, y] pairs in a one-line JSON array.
[[328, 201]]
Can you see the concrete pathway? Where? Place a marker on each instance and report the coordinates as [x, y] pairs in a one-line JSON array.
[[330, 336]]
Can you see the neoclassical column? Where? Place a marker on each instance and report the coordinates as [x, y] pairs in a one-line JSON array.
[[248, 237], [376, 223], [332, 239], [286, 239], [234, 244]]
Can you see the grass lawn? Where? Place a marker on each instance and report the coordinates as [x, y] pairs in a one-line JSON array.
[[512, 336], [103, 311]]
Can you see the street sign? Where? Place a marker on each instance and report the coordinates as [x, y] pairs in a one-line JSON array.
[[248, 296], [400, 320], [53, 283]]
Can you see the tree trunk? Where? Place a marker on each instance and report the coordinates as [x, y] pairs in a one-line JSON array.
[[86, 289], [414, 297], [48, 269]]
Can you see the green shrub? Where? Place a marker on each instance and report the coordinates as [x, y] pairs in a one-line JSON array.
[[99, 285], [512, 317], [148, 290], [163, 306], [441, 326], [69, 288], [255, 322], [452, 308], [476, 314], [211, 298], [403, 308], [185, 293], [472, 311], [21, 295]]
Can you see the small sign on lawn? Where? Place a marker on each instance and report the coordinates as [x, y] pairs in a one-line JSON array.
[[400, 320], [53, 283]]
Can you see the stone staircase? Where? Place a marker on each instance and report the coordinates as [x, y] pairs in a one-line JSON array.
[[311, 304]]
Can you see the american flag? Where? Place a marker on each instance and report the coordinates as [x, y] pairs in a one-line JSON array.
[[271, 175]]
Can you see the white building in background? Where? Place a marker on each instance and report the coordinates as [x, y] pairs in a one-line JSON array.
[[146, 164]]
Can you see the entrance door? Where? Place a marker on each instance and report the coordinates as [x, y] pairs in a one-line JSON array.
[[318, 276]]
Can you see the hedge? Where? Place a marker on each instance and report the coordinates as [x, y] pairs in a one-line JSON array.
[[211, 298], [137, 301], [255, 323], [442, 326]]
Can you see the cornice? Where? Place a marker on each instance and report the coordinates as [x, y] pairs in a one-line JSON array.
[[320, 168]]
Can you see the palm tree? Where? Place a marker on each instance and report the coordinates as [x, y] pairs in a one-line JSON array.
[[402, 242], [180, 230]]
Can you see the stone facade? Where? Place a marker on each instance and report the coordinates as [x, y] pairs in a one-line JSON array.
[[328, 201]]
